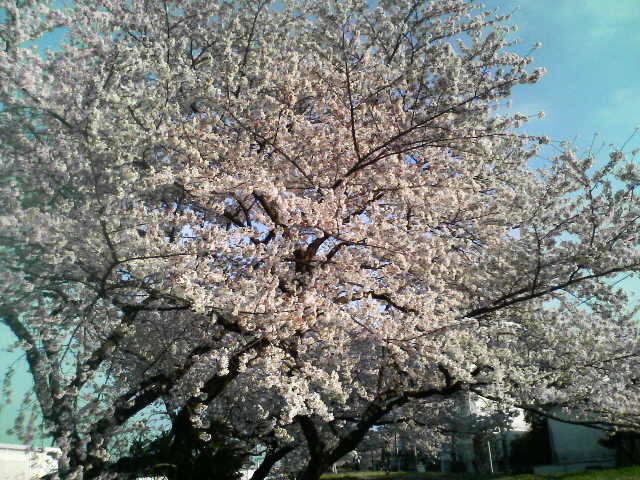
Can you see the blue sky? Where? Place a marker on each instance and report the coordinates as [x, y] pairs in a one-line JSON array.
[[591, 49]]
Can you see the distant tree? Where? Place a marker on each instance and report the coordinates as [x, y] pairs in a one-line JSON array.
[[302, 219], [533, 447], [626, 445]]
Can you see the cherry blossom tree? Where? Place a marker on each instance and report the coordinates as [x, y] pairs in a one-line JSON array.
[[302, 220]]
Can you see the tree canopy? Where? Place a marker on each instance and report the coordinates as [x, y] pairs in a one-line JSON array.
[[300, 220]]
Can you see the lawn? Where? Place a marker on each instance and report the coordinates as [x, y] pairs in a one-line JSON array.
[[620, 474]]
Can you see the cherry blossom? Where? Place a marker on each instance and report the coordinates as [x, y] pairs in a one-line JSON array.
[[307, 219]]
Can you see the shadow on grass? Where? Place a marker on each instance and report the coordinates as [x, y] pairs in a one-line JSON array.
[[630, 473]]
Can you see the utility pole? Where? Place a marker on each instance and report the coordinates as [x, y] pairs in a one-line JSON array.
[[490, 459]]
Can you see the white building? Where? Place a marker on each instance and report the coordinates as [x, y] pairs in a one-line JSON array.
[[21, 462]]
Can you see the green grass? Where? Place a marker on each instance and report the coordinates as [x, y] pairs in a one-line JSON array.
[[629, 473], [363, 475], [623, 473]]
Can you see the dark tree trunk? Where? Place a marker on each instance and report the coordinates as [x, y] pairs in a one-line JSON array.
[[315, 468]]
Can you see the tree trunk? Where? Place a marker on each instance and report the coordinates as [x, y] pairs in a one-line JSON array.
[[315, 468]]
